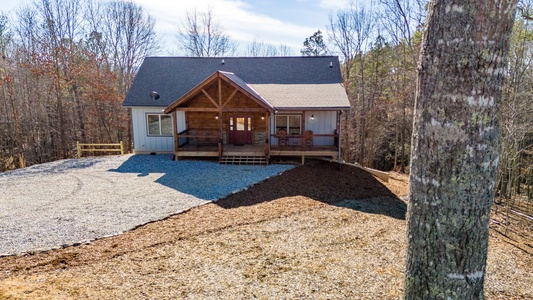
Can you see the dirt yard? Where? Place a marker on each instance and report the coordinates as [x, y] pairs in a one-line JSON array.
[[311, 233]]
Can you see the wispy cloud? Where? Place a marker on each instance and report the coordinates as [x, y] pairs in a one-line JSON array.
[[333, 4], [237, 17]]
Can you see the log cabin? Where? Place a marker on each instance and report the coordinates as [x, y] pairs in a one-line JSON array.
[[238, 109]]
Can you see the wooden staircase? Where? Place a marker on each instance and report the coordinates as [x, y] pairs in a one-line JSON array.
[[244, 160]]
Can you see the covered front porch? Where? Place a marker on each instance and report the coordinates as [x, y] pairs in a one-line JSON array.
[[208, 143], [227, 119], [223, 118]]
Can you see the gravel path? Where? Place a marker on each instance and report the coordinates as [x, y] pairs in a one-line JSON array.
[[69, 201]]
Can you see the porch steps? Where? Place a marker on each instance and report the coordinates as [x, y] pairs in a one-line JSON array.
[[243, 160]]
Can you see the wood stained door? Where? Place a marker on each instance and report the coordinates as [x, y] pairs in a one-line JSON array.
[[240, 130]]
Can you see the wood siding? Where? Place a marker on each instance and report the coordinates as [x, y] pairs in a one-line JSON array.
[[234, 103]]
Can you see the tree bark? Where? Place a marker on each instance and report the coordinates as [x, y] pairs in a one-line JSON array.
[[455, 147]]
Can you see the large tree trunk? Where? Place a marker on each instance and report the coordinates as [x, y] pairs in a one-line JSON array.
[[455, 147]]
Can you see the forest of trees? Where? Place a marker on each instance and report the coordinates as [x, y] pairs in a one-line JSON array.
[[67, 64], [65, 68], [379, 47]]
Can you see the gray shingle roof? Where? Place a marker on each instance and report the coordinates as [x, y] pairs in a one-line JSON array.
[[300, 96], [173, 77], [237, 80]]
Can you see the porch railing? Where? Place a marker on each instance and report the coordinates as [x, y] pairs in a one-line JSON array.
[[200, 137], [296, 141]]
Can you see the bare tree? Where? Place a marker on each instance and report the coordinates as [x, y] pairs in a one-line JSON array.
[[59, 30], [202, 36], [516, 162], [349, 30], [64, 71], [456, 145], [122, 34], [284, 50], [259, 48], [401, 20], [128, 32]]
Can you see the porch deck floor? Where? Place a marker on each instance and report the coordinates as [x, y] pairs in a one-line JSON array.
[[228, 150], [257, 150]]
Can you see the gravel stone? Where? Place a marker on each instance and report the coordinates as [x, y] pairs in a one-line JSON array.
[[70, 201]]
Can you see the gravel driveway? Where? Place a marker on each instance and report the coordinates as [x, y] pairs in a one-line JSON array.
[[77, 200]]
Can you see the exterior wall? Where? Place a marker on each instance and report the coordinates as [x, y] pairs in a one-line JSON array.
[[142, 143], [325, 122]]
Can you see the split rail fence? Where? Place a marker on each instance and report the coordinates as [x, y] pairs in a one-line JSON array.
[[119, 147]]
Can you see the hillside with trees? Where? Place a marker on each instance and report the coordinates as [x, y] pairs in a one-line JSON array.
[[65, 68]]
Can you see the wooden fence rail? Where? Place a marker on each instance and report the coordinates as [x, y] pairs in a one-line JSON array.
[[90, 148]]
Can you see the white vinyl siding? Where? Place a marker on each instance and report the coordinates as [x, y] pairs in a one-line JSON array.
[[324, 122], [145, 143]]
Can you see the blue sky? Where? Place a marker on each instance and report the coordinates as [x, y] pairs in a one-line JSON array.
[[275, 22]]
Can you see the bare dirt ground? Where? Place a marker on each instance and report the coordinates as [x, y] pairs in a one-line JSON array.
[[311, 233]]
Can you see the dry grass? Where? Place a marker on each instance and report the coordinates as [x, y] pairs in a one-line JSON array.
[[275, 247]]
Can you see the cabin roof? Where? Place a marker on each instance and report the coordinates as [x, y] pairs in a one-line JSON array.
[[309, 96], [283, 82], [245, 86]]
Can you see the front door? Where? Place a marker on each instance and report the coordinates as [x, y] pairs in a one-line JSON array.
[[240, 130]]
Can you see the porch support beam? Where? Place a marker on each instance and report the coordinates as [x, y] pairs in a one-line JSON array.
[[244, 109], [210, 98], [233, 109], [230, 97], [199, 109]]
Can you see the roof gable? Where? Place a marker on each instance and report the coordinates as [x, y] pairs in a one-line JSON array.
[[228, 77], [173, 77]]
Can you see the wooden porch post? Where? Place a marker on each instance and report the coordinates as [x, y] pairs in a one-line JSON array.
[[221, 123], [175, 130], [267, 141], [339, 128], [304, 117]]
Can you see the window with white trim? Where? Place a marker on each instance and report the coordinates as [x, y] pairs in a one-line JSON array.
[[159, 125], [292, 124]]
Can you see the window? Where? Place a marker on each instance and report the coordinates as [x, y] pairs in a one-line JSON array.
[[290, 123], [159, 125]]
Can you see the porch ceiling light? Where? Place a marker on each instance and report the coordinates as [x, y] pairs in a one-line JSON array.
[[216, 117]]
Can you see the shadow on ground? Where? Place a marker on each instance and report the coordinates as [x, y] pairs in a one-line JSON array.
[[59, 166], [205, 180], [348, 187]]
